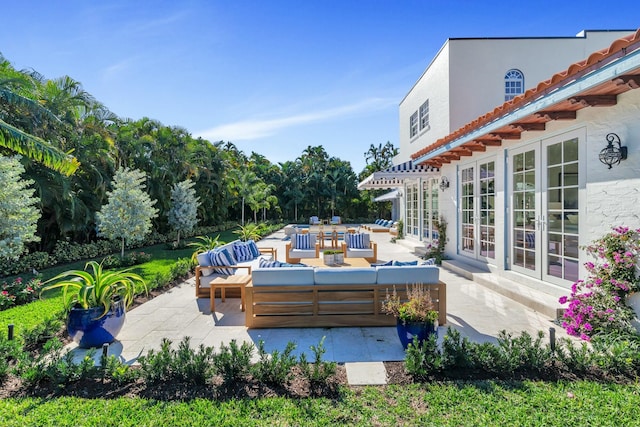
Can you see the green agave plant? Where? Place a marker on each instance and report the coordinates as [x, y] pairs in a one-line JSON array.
[[97, 287], [205, 244], [250, 231]]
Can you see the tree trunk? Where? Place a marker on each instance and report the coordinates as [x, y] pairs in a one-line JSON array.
[[122, 249]]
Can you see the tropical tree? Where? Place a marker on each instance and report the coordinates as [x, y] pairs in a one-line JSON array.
[[242, 183], [183, 215], [21, 111], [129, 211], [379, 158], [18, 214]]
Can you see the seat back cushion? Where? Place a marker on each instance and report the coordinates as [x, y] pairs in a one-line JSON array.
[[204, 260], [408, 275], [292, 276], [345, 276]]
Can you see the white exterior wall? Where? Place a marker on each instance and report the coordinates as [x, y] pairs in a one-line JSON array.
[[612, 195], [466, 79], [434, 86]]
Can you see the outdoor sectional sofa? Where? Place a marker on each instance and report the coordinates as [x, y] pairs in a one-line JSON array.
[[329, 297]]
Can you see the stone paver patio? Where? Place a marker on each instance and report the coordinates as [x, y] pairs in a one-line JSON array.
[[476, 311]]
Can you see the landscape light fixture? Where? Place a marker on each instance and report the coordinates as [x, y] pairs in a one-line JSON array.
[[612, 155]]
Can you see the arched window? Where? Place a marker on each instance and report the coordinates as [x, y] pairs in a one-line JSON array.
[[513, 84]]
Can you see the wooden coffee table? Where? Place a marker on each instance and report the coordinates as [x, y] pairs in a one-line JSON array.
[[233, 281], [348, 262]]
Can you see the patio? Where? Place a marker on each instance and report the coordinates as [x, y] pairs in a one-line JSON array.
[[476, 311]]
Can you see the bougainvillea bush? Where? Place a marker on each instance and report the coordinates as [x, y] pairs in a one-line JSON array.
[[598, 304], [18, 292]]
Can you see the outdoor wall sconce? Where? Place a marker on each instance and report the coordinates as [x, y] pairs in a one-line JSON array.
[[444, 183], [612, 155]]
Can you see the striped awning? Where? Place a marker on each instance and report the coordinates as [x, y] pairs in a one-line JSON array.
[[393, 194], [394, 176]]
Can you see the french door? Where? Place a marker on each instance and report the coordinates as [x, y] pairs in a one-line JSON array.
[[477, 210], [544, 196]]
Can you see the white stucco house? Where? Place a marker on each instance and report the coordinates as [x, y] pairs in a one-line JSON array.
[[508, 140]]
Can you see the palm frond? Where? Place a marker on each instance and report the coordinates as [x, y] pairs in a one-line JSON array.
[[37, 149]]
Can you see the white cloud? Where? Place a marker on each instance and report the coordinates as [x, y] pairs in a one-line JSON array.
[[260, 128]]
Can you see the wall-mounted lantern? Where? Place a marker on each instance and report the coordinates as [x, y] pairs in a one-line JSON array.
[[612, 155], [444, 183]]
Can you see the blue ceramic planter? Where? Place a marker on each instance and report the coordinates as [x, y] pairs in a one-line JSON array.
[[88, 330], [420, 329]]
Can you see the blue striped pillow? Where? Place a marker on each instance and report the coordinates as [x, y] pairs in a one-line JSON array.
[[253, 248], [223, 257], [269, 263], [303, 241], [356, 241], [242, 252], [430, 261]]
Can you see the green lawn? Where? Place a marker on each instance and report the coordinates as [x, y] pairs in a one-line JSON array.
[[482, 403]]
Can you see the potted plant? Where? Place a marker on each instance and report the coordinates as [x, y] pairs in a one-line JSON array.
[[338, 257], [416, 316], [97, 301], [329, 257]]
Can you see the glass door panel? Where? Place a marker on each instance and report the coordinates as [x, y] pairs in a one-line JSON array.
[[562, 210], [524, 222], [467, 235], [487, 210]]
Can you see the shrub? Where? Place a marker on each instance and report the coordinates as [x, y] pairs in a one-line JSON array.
[[275, 368], [19, 291], [319, 371], [233, 361], [598, 304], [423, 358], [156, 366]]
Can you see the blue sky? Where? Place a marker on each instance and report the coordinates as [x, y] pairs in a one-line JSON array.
[[270, 76]]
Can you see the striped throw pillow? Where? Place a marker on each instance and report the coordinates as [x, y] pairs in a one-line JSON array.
[[356, 241], [264, 263], [223, 257], [242, 252], [303, 241], [430, 261]]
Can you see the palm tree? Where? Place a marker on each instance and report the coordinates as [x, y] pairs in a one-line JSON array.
[[242, 183], [26, 110]]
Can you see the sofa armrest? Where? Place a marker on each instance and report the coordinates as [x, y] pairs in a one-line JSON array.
[[272, 251]]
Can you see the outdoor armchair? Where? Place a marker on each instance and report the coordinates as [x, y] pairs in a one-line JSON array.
[[360, 245], [302, 246]]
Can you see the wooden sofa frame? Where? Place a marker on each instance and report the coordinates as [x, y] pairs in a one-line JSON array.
[[286, 306]]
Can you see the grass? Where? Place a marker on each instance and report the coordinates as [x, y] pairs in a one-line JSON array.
[[485, 403]]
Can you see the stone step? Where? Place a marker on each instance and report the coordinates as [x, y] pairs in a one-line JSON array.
[[537, 295]]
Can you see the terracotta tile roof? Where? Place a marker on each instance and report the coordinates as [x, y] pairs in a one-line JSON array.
[[602, 95]]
